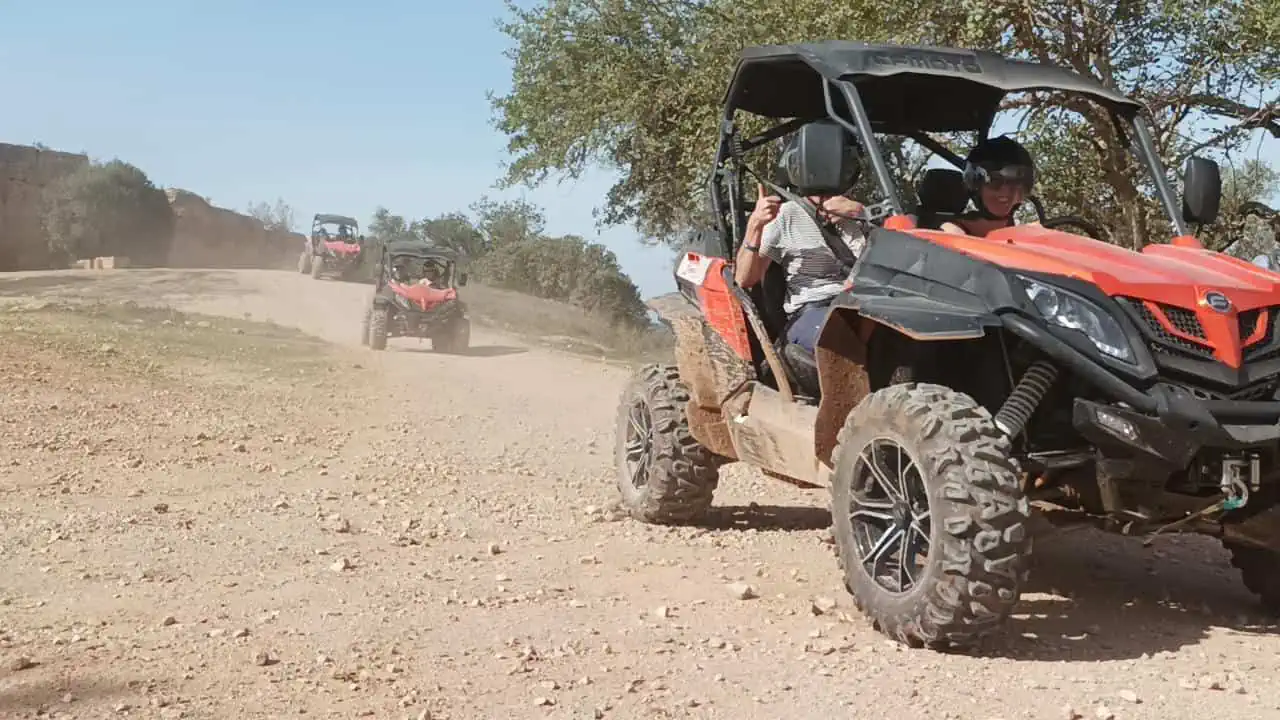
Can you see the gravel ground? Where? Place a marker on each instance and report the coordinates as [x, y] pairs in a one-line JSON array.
[[209, 518]]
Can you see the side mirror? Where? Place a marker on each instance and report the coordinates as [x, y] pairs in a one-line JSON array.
[[821, 159], [462, 279], [1201, 191]]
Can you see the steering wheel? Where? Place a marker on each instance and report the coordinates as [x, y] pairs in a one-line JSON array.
[[1076, 224], [1073, 223]]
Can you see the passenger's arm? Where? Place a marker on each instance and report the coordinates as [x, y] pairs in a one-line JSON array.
[[761, 229], [844, 208]]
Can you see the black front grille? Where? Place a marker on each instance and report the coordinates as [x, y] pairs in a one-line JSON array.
[[1183, 320], [1266, 348], [1249, 324], [1165, 340]]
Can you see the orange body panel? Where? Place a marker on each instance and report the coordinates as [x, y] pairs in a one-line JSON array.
[[341, 248], [899, 222], [723, 311], [425, 297], [1179, 275]]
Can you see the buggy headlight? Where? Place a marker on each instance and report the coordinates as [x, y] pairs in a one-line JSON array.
[[1073, 312]]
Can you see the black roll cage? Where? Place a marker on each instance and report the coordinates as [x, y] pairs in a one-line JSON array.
[[729, 165]]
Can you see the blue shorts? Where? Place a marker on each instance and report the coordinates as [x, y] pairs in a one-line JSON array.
[[805, 325]]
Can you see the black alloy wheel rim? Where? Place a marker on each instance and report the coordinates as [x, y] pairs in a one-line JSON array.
[[890, 515], [639, 444]]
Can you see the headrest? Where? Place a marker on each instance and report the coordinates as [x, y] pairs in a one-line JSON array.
[[942, 190]]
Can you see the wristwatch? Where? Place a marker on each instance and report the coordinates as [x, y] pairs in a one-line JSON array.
[[752, 248]]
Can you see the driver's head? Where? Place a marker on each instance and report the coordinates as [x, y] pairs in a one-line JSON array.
[[810, 139], [400, 271], [431, 272], [999, 173]]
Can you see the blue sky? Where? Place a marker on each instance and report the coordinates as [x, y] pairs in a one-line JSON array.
[[333, 106]]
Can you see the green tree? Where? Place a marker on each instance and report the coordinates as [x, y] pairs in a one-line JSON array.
[[276, 218], [387, 227], [635, 86], [507, 222], [454, 230], [106, 209], [570, 270], [1239, 234]]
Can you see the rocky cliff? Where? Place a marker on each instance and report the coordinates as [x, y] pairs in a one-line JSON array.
[[207, 236], [24, 173], [204, 235]]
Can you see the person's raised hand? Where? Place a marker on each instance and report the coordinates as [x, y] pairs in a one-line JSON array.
[[766, 209]]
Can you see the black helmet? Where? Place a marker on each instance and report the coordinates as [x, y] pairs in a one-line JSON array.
[[789, 163], [1001, 160]]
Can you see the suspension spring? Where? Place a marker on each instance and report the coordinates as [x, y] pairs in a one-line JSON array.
[[1025, 398]]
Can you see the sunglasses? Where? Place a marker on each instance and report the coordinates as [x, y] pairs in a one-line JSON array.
[[999, 177]]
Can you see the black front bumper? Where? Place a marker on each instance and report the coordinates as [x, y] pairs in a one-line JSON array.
[[1171, 437], [417, 321], [1166, 423]]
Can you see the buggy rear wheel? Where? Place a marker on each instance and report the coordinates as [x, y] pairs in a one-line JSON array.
[[317, 266], [456, 339], [378, 327], [664, 475], [304, 262], [929, 517]]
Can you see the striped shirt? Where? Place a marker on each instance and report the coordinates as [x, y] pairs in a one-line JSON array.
[[813, 272]]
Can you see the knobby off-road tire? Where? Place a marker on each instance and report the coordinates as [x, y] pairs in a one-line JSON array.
[[1260, 570], [664, 475], [365, 323], [304, 263], [456, 340], [978, 541], [317, 266], [378, 328]]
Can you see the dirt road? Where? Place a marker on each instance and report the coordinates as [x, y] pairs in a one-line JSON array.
[[413, 535]]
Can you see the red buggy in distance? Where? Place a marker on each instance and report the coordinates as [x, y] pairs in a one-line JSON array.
[[335, 247], [403, 305]]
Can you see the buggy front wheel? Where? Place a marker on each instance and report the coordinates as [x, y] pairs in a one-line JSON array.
[[454, 340], [378, 328], [1260, 570], [929, 517], [365, 323]]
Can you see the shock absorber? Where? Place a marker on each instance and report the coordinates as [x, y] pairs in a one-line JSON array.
[[1025, 398]]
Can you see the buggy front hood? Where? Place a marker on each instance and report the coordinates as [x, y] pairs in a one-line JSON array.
[[423, 296], [338, 247], [1165, 274]]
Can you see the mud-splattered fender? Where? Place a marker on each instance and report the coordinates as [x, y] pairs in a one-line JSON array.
[[843, 358]]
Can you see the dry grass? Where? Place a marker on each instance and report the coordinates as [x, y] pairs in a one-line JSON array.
[[565, 327], [161, 342]]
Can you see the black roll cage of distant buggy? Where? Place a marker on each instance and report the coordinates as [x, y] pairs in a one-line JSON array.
[[393, 251], [894, 90], [328, 219]]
